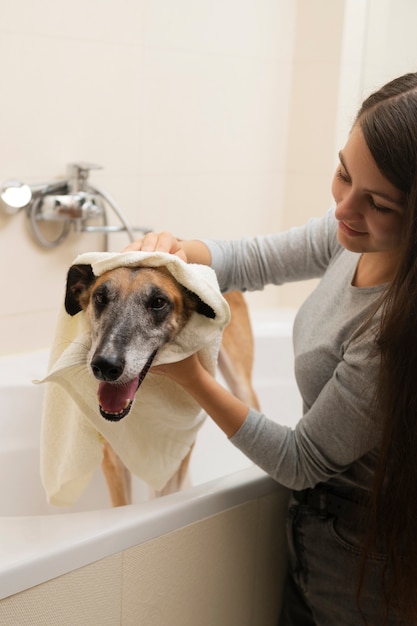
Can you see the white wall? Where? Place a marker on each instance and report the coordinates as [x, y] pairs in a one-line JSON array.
[[210, 117], [185, 104], [391, 42]]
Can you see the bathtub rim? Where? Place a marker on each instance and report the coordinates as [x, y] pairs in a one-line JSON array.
[[35, 549], [54, 545]]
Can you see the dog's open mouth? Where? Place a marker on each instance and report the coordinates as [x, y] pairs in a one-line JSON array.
[[115, 400]]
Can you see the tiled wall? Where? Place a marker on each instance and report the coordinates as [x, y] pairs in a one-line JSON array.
[[194, 109], [216, 118], [224, 570], [185, 105]]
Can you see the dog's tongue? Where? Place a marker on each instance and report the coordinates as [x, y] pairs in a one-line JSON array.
[[115, 398]]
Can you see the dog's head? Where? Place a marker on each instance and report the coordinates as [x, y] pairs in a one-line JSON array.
[[131, 313]]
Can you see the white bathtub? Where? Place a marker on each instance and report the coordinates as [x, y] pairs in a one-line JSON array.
[[39, 542]]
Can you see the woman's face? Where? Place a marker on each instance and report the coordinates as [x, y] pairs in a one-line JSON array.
[[368, 207]]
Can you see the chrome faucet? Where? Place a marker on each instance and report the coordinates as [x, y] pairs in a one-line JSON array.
[[73, 203]]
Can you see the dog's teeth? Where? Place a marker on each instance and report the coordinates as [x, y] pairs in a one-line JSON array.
[[115, 416]]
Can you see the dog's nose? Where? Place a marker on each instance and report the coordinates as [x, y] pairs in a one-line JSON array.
[[107, 368]]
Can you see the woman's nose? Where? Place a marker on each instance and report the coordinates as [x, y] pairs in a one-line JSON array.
[[347, 206]]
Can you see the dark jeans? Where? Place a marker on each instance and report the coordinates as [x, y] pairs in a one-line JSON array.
[[323, 571]]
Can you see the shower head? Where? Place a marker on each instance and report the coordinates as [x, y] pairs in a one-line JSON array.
[[72, 203], [14, 196]]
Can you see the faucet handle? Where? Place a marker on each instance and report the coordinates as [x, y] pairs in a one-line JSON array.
[[78, 175]]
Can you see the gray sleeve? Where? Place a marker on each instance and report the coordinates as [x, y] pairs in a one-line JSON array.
[[334, 432], [297, 254]]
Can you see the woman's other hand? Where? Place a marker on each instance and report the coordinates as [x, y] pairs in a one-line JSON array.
[[158, 242], [224, 408], [180, 371], [190, 251]]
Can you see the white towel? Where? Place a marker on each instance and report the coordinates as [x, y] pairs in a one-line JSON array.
[[158, 432]]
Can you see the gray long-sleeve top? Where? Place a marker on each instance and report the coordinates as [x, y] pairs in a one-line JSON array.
[[335, 441]]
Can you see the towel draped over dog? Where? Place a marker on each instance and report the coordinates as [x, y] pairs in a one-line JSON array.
[[162, 425]]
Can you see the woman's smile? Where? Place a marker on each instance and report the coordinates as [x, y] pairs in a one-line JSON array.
[[349, 231], [369, 208]]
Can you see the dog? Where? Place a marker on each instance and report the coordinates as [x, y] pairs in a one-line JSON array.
[[132, 312]]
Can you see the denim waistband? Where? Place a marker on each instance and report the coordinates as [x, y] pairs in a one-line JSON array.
[[325, 502]]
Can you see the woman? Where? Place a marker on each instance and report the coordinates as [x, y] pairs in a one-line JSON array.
[[350, 462]]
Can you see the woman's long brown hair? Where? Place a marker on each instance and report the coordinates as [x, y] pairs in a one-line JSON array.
[[388, 120]]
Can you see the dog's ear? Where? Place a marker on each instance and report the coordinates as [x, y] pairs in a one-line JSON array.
[[200, 306], [79, 280]]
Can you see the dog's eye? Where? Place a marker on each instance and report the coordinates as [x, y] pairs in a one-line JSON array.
[[100, 298], [158, 303]]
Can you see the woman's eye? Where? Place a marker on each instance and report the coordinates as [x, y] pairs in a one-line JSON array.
[[342, 176], [378, 207]]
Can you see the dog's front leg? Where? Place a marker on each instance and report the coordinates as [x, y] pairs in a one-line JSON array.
[[117, 477]]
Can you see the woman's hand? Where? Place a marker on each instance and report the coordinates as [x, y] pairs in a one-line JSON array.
[[180, 371], [191, 251], [225, 409], [158, 242]]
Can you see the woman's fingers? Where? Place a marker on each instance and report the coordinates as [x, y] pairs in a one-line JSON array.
[[158, 242]]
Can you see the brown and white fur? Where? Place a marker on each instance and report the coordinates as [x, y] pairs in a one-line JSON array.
[[132, 313]]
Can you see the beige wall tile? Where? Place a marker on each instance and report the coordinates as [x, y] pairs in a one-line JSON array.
[[201, 574], [178, 106], [270, 561], [87, 596]]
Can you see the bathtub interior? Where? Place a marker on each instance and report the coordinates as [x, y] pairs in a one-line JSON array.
[[213, 456]]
